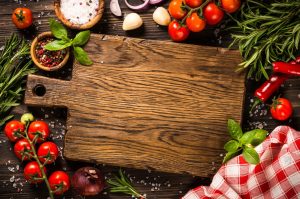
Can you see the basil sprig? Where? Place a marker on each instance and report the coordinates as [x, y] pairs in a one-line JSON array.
[[60, 33], [243, 142]]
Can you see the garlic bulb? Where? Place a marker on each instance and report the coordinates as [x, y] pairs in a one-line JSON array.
[[132, 21], [161, 16]]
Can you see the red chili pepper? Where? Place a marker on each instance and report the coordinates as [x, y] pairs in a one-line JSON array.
[[298, 60], [286, 68], [267, 89]]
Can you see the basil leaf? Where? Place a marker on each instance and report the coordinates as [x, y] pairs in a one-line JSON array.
[[231, 145], [234, 129], [57, 45], [250, 155], [58, 30], [81, 56], [254, 137], [81, 38], [230, 155]]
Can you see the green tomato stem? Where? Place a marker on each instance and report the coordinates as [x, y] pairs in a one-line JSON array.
[[191, 10], [44, 176]]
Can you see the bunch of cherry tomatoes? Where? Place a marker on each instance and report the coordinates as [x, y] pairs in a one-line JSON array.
[[28, 136], [193, 15]]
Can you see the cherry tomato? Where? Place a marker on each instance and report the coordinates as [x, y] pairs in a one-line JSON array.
[[193, 3], [39, 128], [26, 117], [47, 149], [195, 23], [22, 149], [175, 9], [32, 171], [231, 6], [213, 14], [11, 128], [281, 109], [22, 18], [59, 182], [177, 32]]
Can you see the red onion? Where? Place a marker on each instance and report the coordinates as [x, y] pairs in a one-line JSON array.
[[154, 2], [115, 8], [142, 6], [88, 181]]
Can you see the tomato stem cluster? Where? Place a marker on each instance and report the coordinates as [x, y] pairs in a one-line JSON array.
[[36, 158], [191, 10]]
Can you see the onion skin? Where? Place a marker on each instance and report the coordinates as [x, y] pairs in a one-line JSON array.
[[155, 2], [142, 6], [88, 181]]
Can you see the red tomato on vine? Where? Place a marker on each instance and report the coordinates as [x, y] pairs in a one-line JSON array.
[[213, 14], [175, 9], [193, 3], [177, 31], [231, 6], [195, 23], [39, 129]]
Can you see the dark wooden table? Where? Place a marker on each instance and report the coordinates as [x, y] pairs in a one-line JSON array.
[[154, 184]]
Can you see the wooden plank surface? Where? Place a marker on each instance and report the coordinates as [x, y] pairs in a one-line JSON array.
[[172, 186], [142, 104]]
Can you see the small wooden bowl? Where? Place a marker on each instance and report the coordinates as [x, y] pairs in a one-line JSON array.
[[35, 60], [71, 25]]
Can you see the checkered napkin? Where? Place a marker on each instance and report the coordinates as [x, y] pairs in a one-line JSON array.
[[277, 175]]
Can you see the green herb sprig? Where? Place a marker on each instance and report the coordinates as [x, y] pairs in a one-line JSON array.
[[266, 31], [121, 184], [14, 66], [243, 142], [81, 38]]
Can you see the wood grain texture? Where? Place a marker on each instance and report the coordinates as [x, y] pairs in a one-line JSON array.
[[144, 105]]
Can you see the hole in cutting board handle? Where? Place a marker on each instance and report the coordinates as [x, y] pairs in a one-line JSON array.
[[39, 90]]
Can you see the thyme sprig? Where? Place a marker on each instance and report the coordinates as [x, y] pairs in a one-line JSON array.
[[14, 66], [266, 31], [121, 184]]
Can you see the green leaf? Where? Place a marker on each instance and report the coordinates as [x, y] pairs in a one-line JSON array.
[[250, 155], [81, 38], [234, 129], [254, 137], [58, 30], [230, 155], [81, 56], [231, 145], [57, 45]]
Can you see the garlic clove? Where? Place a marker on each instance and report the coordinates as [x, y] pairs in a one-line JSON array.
[[161, 16], [132, 21]]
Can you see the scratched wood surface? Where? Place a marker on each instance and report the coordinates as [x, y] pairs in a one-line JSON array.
[[172, 186], [143, 105]]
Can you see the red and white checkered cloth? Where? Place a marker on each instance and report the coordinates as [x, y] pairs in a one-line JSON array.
[[276, 176]]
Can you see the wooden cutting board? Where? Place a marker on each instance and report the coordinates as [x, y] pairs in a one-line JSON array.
[[147, 104]]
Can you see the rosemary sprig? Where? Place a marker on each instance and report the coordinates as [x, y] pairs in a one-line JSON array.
[[121, 184], [266, 31], [14, 66]]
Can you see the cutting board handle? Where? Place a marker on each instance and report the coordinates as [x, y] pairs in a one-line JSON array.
[[43, 91]]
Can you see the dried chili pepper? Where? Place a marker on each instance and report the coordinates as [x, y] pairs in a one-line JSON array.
[[287, 68]]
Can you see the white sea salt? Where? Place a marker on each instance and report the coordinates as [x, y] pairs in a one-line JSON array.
[[79, 11]]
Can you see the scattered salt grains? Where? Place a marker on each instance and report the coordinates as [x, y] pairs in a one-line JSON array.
[[79, 11], [12, 179]]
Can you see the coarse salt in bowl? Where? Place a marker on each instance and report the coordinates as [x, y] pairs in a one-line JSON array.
[[79, 14]]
